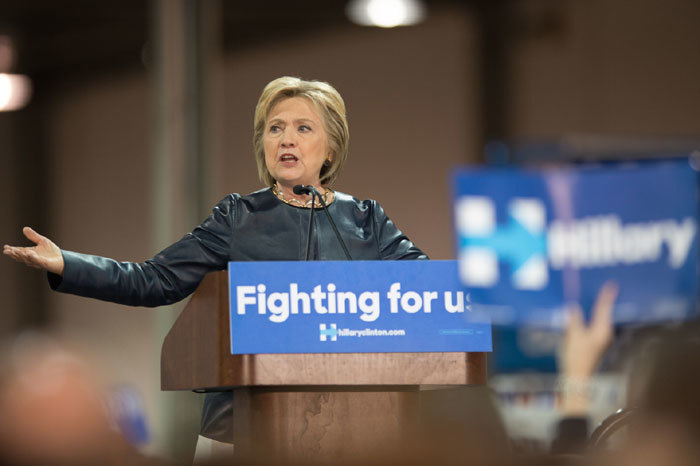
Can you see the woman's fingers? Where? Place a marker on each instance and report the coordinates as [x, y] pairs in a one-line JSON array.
[[10, 251], [21, 253], [32, 235], [45, 255], [16, 253], [24, 255]]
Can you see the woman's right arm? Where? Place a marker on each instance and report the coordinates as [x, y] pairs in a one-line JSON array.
[[168, 277]]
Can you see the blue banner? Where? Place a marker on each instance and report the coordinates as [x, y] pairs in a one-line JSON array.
[[351, 307], [530, 242]]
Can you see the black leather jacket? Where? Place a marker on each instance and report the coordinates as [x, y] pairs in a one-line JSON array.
[[241, 228]]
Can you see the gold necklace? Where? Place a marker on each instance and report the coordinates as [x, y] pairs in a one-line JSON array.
[[328, 197]]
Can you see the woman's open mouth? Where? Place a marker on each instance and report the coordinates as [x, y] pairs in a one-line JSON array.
[[288, 159]]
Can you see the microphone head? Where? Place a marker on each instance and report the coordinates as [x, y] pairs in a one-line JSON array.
[[301, 189]]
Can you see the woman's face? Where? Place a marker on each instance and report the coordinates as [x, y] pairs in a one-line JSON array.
[[295, 142]]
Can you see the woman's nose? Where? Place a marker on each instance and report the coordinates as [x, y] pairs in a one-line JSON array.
[[288, 138]]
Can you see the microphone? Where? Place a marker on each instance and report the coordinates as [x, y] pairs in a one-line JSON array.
[[301, 189], [310, 189], [330, 219]]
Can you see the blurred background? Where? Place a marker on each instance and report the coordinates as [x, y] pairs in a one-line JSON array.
[[126, 121]]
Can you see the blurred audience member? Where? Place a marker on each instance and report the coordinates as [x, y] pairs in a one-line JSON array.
[[665, 428], [53, 410]]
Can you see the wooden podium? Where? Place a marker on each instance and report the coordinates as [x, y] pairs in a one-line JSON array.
[[304, 406]]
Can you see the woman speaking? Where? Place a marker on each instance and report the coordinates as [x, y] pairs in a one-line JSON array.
[[300, 138]]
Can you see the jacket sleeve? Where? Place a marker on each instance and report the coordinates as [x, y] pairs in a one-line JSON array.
[[392, 243], [170, 276]]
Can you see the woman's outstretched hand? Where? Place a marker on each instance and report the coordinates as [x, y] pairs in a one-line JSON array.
[[45, 255]]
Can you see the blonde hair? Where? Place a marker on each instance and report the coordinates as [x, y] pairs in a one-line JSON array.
[[331, 108]]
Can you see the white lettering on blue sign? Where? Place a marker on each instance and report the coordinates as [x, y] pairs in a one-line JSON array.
[[606, 241], [529, 245], [280, 305], [410, 301], [346, 307]]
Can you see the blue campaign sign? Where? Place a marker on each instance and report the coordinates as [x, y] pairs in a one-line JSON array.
[[351, 307], [530, 242]]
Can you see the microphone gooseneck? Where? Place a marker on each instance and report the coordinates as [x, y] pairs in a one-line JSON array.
[[330, 219], [310, 189], [311, 225], [301, 189]]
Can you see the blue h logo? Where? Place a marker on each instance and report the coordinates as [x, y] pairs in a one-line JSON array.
[[325, 332], [521, 242]]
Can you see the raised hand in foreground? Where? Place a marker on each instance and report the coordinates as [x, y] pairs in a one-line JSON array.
[[582, 348]]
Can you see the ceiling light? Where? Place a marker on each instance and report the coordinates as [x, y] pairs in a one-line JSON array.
[[386, 13], [15, 90]]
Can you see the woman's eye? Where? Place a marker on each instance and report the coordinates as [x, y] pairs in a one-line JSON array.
[[304, 128], [274, 128]]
